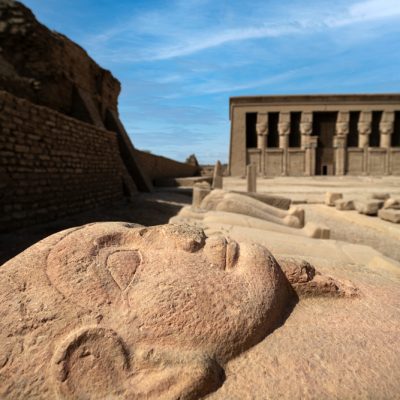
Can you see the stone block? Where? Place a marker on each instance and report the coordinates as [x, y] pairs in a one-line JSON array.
[[392, 204], [380, 196], [344, 205], [199, 193], [319, 231], [368, 207], [283, 203], [331, 197], [251, 178], [390, 215]]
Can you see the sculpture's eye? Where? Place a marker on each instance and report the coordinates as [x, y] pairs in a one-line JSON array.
[[122, 265]]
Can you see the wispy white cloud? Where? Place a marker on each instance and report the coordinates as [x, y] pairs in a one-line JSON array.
[[177, 39], [217, 87]]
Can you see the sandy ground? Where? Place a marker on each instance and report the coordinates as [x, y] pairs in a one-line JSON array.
[[313, 189]]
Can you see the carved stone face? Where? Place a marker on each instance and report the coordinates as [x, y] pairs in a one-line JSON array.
[[306, 128], [284, 128], [364, 128], [262, 128], [135, 311], [342, 128], [386, 128]]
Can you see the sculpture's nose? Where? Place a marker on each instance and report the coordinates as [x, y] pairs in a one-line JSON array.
[[122, 265], [221, 252]]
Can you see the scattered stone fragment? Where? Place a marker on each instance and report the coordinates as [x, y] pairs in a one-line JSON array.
[[319, 231], [283, 203], [331, 197], [200, 191], [368, 207], [380, 196], [344, 205], [390, 215], [392, 203], [307, 282], [220, 200]]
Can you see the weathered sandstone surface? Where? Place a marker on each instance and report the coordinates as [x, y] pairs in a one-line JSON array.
[[48, 69], [115, 310]]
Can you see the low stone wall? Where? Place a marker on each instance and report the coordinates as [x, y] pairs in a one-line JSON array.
[[158, 167], [52, 165]]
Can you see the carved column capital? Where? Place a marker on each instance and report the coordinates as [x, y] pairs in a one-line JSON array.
[[262, 124], [386, 128], [364, 128], [342, 128], [342, 123], [284, 128], [284, 123]]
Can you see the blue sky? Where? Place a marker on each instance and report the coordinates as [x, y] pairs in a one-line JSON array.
[[179, 61]]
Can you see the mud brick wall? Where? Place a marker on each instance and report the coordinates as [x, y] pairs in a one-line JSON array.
[[52, 165], [157, 167]]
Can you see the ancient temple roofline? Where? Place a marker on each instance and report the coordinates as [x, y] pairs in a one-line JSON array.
[[320, 99]]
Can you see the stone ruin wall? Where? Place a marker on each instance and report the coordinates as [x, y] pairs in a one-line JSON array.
[[53, 165], [49, 69], [158, 167]]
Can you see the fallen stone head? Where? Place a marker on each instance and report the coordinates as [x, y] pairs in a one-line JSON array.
[[113, 310], [116, 310]]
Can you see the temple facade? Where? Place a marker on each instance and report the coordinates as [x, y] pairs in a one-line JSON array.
[[305, 135]]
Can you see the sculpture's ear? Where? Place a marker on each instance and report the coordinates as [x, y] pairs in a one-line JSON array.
[[90, 363], [175, 374], [94, 363]]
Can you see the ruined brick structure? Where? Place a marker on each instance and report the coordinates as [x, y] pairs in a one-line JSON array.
[[52, 165], [63, 148]]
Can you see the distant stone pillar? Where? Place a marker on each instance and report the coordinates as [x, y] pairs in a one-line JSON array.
[[364, 130], [252, 178], [340, 142], [305, 127], [217, 176], [310, 146], [386, 128], [199, 192], [284, 131], [262, 132]]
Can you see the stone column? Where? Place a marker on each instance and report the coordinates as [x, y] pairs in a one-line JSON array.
[[386, 128], [252, 178], [340, 141], [262, 132], [310, 146], [284, 131], [364, 130], [305, 127], [217, 176], [340, 145]]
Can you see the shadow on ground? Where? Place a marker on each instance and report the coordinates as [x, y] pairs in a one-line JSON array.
[[145, 209]]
